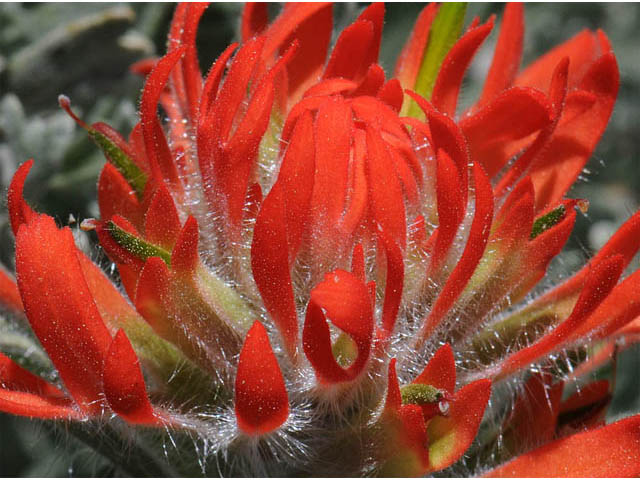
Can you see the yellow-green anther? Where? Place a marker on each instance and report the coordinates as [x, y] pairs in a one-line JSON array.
[[420, 394], [545, 222], [445, 30], [137, 246], [125, 165]]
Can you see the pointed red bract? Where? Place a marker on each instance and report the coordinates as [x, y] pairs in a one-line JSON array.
[[261, 401], [601, 280], [455, 64], [124, 385], [408, 64], [495, 132], [155, 142], [9, 294], [450, 208], [14, 377], [507, 55], [534, 416], [343, 299], [352, 47], [116, 197], [311, 25], [582, 49], [19, 211], [440, 371], [611, 451], [576, 137], [60, 308], [255, 19], [161, 222], [29, 405], [476, 243], [450, 436], [270, 267], [185, 257], [385, 191]]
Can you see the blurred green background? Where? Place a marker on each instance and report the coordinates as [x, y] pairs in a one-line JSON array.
[[84, 50]]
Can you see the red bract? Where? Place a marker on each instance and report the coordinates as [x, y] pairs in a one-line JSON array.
[[310, 252]]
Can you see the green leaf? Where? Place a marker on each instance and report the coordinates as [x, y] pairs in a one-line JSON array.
[[445, 30], [137, 246], [125, 165], [545, 222]]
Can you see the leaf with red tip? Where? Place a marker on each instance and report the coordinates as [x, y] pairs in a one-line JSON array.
[[440, 371], [449, 80], [270, 266], [116, 197], [495, 131], [155, 142], [9, 294], [451, 436], [344, 299], [507, 55], [408, 63], [19, 211], [582, 50], [611, 451], [575, 138], [261, 401], [255, 18], [601, 280], [473, 251], [60, 308], [124, 385], [385, 191], [184, 257], [161, 222]]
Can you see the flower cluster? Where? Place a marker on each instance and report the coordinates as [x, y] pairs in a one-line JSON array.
[[325, 271]]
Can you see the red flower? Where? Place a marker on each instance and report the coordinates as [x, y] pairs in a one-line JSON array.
[[302, 236]]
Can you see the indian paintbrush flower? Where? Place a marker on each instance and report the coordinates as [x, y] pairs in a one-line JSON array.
[[325, 271]]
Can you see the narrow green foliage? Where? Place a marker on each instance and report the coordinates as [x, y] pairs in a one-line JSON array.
[[545, 222], [137, 246], [420, 394], [125, 165], [445, 30]]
